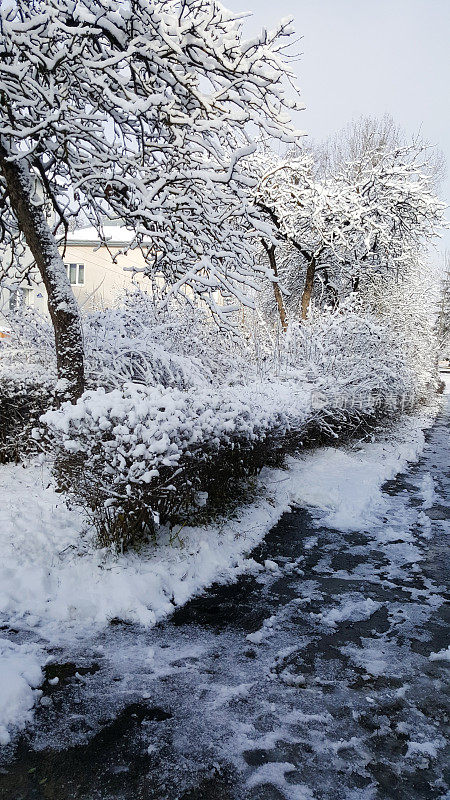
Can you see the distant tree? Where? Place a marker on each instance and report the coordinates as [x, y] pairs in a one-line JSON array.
[[366, 141], [142, 112], [304, 214], [443, 320], [343, 221]]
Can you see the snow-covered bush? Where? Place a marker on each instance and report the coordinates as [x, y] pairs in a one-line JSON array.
[[350, 354], [176, 347], [144, 452], [139, 454], [24, 396], [135, 341], [407, 307], [179, 347], [27, 381], [31, 340]]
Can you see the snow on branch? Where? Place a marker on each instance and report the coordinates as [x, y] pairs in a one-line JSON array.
[[145, 113]]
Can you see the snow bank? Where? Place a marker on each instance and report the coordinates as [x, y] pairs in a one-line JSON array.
[[20, 674], [52, 574], [346, 483], [442, 655]]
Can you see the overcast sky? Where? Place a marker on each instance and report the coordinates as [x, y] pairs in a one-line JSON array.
[[368, 57]]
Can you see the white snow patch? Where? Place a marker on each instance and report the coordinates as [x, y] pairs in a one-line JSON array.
[[46, 559], [20, 674], [353, 607], [429, 749], [372, 656], [273, 774], [427, 491], [346, 484], [442, 655], [266, 630]]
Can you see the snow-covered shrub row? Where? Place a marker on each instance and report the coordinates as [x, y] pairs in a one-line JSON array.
[[27, 381], [407, 307], [32, 341], [136, 341], [175, 347], [146, 451], [353, 352], [140, 454], [351, 355]]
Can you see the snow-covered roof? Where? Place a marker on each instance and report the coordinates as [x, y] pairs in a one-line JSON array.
[[114, 235]]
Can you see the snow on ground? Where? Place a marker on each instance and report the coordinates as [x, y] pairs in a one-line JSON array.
[[56, 585], [346, 483], [20, 673], [443, 655]]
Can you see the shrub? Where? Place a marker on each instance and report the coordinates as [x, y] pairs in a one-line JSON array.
[[23, 398], [350, 354], [27, 381], [139, 456], [176, 347], [193, 419]]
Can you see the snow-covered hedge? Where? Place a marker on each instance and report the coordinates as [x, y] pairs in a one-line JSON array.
[[352, 355], [179, 346], [24, 396], [140, 454], [27, 381], [31, 341]]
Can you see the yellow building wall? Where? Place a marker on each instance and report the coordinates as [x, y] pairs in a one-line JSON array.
[[104, 280]]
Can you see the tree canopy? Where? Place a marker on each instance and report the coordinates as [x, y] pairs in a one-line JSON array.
[[142, 112]]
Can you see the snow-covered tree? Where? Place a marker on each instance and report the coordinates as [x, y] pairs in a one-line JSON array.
[[367, 140], [443, 320], [406, 303], [342, 223], [312, 220], [142, 112]]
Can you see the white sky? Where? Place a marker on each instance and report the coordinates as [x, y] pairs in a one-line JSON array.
[[368, 57]]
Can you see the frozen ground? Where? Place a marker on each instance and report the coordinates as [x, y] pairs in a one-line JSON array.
[[319, 673]]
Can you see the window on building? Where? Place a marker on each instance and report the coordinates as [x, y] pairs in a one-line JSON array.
[[75, 273], [14, 301], [19, 298]]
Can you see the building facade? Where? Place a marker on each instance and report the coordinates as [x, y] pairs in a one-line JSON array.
[[97, 279]]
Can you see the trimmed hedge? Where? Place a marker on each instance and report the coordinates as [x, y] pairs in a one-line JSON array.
[[139, 457]]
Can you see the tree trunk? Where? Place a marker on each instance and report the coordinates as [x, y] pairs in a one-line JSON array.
[[62, 306], [270, 250], [309, 284]]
